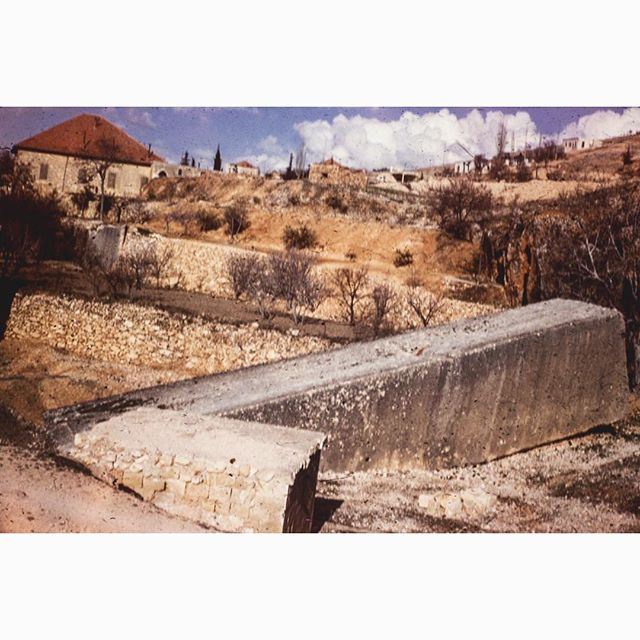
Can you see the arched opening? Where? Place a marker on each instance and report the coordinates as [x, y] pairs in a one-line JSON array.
[[162, 174]]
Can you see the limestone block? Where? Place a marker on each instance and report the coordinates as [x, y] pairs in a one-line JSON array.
[[227, 474], [177, 487]]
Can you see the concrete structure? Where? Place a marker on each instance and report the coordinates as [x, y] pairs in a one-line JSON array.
[[65, 157], [168, 170], [105, 242], [234, 476], [571, 145], [458, 394], [332, 172], [243, 167]]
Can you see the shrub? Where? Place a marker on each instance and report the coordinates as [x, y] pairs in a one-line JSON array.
[[137, 212], [523, 173], [592, 253], [82, 199], [350, 286], [236, 218], [402, 258], [242, 271], [337, 203], [208, 220], [159, 258], [301, 237], [459, 205]]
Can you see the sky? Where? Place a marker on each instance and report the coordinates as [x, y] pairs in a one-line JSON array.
[[367, 137]]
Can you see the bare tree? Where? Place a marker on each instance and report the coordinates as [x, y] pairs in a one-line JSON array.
[[383, 300], [98, 168], [295, 282], [159, 259], [459, 205], [425, 305], [242, 271], [501, 139], [350, 285]]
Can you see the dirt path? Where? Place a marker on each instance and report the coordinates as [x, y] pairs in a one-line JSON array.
[[38, 495]]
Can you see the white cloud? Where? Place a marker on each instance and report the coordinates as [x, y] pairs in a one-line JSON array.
[[271, 155], [270, 145], [604, 124], [139, 117], [412, 140]]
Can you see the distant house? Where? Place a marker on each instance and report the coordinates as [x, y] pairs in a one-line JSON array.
[[332, 172], [63, 156], [578, 144], [242, 168]]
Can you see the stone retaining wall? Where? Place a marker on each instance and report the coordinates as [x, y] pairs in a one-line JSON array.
[[453, 395], [231, 475]]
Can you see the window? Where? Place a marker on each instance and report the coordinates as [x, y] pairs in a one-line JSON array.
[[83, 176], [111, 180], [44, 172], [143, 181]]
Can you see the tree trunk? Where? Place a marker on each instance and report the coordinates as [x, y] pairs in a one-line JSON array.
[[8, 290]]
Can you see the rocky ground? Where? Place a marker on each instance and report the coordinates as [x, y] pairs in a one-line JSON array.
[[62, 349], [133, 334], [584, 484]]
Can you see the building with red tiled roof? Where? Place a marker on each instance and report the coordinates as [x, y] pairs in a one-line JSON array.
[[244, 167], [65, 156]]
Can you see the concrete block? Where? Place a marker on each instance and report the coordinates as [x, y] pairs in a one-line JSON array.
[[457, 394]]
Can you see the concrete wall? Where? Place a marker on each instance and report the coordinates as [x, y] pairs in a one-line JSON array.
[[63, 173], [106, 241], [458, 394]]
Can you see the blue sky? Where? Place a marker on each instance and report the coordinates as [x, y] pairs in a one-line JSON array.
[[366, 137]]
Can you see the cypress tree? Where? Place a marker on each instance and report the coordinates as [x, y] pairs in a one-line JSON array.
[[217, 162]]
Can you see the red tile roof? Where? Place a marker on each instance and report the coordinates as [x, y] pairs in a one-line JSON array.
[[89, 136], [244, 163]]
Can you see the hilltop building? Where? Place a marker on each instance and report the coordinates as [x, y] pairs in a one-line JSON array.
[[579, 144], [242, 168], [64, 156], [332, 172]]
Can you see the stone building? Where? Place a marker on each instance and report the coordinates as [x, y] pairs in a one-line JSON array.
[[65, 157], [332, 172], [242, 168]]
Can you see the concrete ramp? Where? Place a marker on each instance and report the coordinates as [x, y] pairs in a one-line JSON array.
[[453, 395]]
